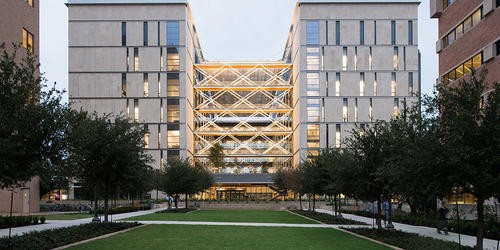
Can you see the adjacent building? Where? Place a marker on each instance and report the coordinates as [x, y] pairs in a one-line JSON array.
[[19, 25], [345, 64], [469, 37]]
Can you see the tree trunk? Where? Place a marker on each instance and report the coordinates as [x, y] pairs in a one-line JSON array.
[[480, 223], [106, 212], [379, 213], [309, 202], [335, 202], [314, 202], [186, 201], [334, 209], [300, 201]]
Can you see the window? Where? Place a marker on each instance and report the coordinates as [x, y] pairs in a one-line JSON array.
[[361, 84], [128, 60], [124, 34], [312, 57], [447, 3], [476, 17], [322, 109], [158, 32], [355, 109], [370, 111], [464, 68], [173, 110], [410, 32], [396, 107], [313, 136], [145, 33], [145, 84], [146, 137], [30, 3], [312, 32], [159, 85], [393, 83], [370, 59], [161, 110], [161, 59], [375, 87], [136, 110], [172, 33], [345, 117], [28, 40], [326, 31], [337, 84], [497, 44], [344, 58], [404, 57], [337, 32], [313, 110], [393, 32], [375, 32], [124, 85], [172, 155], [159, 137], [410, 83], [355, 58], [128, 109], [172, 84], [172, 59], [462, 28], [312, 84], [173, 137], [337, 136], [395, 58], [362, 32], [136, 59]]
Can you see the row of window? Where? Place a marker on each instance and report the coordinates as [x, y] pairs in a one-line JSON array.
[[28, 40], [313, 84], [313, 33], [173, 136], [464, 68], [315, 60], [173, 110], [316, 111], [463, 27], [172, 85], [173, 61], [172, 33]]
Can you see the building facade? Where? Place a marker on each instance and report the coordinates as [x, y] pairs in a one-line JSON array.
[[469, 37], [345, 64], [19, 25]]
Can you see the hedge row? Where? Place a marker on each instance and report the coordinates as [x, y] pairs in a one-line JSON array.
[[120, 210], [52, 238], [19, 221], [326, 218], [409, 241]]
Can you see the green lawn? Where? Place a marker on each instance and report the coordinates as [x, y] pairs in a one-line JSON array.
[[230, 237], [68, 216], [259, 216]]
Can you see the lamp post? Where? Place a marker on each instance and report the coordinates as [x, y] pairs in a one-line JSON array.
[[389, 225], [96, 216], [455, 191]]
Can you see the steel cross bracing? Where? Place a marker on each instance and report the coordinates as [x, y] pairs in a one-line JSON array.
[[246, 107]]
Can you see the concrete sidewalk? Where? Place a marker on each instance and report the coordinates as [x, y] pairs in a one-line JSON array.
[[466, 240], [51, 224]]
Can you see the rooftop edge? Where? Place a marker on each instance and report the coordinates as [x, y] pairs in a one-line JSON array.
[[93, 2]]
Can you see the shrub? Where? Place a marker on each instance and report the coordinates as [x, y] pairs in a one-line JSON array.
[[52, 238], [326, 218], [42, 219]]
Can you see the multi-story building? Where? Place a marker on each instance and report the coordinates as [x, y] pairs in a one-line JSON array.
[[19, 24], [469, 37], [345, 63]]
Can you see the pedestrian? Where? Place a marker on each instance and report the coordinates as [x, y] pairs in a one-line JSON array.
[[176, 200], [442, 218], [169, 201], [386, 210]]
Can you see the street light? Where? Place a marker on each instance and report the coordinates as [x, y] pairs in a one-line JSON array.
[[389, 225]]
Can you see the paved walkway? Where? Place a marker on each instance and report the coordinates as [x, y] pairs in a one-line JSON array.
[[467, 240]]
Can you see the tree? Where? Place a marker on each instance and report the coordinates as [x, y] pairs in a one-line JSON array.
[[216, 155], [108, 155], [469, 129]]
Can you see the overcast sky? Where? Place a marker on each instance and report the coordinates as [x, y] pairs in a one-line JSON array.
[[229, 30]]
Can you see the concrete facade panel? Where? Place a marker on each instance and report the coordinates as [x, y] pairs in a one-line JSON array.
[[97, 59]]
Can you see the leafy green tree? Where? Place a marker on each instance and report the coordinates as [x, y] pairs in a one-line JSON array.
[[32, 124], [108, 155], [469, 130], [216, 155]]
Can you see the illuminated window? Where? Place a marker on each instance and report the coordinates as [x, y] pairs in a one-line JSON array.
[[136, 59], [464, 68], [370, 59], [128, 60], [312, 32], [345, 117], [146, 84], [124, 84], [355, 109], [312, 58], [161, 110], [146, 140], [173, 110], [128, 109], [393, 83], [355, 58], [161, 59], [124, 33], [395, 58], [337, 84], [136, 110], [159, 85], [159, 136], [344, 58], [30, 2], [370, 111], [172, 84], [462, 28], [172, 59], [172, 33], [313, 136], [361, 84], [173, 136], [313, 110], [396, 107], [375, 85], [28, 40], [338, 138], [312, 84]]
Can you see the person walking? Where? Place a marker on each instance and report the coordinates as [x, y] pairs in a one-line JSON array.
[[442, 220]]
